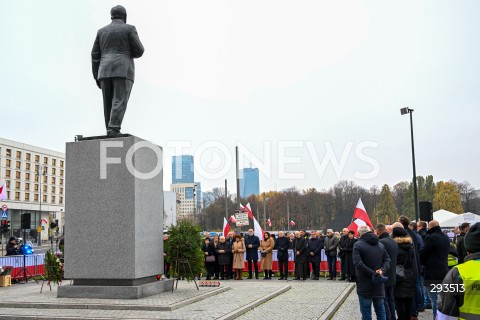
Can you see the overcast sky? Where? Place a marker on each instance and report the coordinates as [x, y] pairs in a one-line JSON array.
[[296, 83]]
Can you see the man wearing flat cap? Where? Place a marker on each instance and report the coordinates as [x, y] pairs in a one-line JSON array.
[[115, 47], [459, 296]]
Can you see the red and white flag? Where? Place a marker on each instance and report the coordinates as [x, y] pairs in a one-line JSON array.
[[257, 230], [292, 223], [226, 227], [269, 223], [249, 210], [43, 220], [3, 191], [232, 219], [360, 217]]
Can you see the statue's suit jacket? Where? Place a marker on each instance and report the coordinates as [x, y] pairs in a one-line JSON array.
[[113, 51]]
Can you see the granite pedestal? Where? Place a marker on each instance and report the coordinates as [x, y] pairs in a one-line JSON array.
[[113, 219]]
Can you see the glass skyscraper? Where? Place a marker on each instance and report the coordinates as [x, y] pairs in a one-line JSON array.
[[249, 182], [182, 169]]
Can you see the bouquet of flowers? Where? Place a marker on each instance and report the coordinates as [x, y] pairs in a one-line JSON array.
[[5, 270], [53, 268]]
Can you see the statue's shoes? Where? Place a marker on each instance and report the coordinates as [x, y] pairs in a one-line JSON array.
[[112, 133]]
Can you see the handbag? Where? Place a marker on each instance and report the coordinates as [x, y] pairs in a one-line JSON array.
[[400, 271], [264, 253], [210, 259]]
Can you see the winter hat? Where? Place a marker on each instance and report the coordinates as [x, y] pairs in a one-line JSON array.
[[472, 238], [399, 232]]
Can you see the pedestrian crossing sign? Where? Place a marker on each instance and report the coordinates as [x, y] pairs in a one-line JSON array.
[[4, 214]]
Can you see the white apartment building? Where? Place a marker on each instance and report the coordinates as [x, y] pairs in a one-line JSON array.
[[186, 197], [35, 181]]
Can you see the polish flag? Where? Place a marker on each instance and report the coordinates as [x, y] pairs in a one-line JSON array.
[[257, 230], [360, 218], [269, 223], [292, 223], [361, 213], [242, 208], [3, 191], [232, 219], [226, 227], [43, 220], [249, 210]]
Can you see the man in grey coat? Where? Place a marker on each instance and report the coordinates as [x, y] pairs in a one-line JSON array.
[[115, 47]]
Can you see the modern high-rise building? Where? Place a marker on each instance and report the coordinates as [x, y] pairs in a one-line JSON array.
[[34, 178], [182, 169], [183, 183], [249, 182]]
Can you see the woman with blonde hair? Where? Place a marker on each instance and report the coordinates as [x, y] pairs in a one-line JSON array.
[[238, 250], [266, 249]]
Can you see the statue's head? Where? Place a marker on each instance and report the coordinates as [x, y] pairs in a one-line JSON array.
[[119, 12]]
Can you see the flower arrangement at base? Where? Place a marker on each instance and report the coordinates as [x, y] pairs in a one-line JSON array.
[[5, 270], [53, 268], [185, 250]]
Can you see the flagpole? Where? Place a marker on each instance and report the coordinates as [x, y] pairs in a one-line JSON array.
[[288, 214], [238, 182], [226, 200]]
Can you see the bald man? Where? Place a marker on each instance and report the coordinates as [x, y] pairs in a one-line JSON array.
[[434, 259]]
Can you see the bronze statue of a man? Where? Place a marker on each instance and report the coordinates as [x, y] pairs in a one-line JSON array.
[[115, 47]]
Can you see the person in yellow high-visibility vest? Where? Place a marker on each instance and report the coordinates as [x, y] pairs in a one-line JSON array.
[[459, 294], [452, 256]]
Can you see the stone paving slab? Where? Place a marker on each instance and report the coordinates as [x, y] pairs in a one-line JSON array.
[[306, 300], [350, 310], [217, 306], [28, 296]]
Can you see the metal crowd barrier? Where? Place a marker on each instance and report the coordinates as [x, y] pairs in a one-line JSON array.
[[34, 263]]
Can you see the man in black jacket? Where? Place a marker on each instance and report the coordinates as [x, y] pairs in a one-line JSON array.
[[434, 259], [315, 246], [392, 250], [252, 243], [371, 260], [461, 251], [341, 244], [115, 47], [282, 244]]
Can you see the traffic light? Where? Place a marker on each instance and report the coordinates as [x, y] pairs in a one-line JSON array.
[[5, 226]]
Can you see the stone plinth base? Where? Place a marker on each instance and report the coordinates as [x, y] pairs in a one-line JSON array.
[[115, 292]]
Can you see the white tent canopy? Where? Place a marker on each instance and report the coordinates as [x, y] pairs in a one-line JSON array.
[[459, 219], [443, 215]]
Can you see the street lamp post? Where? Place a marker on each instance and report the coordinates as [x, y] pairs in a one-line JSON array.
[[404, 111], [194, 203], [264, 212], [40, 174]]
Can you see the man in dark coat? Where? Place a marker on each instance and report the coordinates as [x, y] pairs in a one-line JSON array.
[[342, 242], [461, 251], [331, 245], [252, 243], [315, 246], [12, 247], [422, 229], [224, 250], [115, 47], [282, 244], [434, 259], [371, 260], [300, 246], [230, 239], [418, 303], [392, 250]]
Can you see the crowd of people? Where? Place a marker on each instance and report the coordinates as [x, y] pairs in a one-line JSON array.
[[402, 269]]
